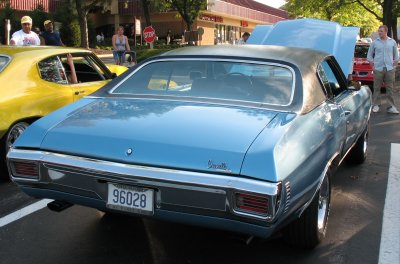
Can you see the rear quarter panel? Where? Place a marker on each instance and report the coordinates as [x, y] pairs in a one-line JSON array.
[[304, 147]]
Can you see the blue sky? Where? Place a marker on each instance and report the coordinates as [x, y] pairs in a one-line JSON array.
[[273, 3]]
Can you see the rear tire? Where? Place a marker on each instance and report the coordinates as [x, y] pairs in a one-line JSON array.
[[8, 140], [309, 230], [358, 153]]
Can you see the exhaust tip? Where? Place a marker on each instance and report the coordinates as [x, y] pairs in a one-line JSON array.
[[58, 206]]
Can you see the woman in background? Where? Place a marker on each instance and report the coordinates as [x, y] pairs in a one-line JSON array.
[[120, 46]]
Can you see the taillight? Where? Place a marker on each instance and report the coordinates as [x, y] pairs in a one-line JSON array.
[[24, 169], [252, 204]]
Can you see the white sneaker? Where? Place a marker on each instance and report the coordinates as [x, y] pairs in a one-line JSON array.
[[375, 109], [392, 110]]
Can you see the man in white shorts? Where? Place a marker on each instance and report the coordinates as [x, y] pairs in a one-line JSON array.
[[25, 36]]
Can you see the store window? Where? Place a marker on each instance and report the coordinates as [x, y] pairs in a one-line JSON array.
[[224, 34]]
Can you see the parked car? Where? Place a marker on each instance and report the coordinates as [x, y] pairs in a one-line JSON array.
[[243, 138], [34, 83], [362, 69]]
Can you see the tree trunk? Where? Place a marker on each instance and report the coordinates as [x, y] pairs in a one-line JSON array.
[[82, 23], [394, 28], [387, 15], [145, 5]]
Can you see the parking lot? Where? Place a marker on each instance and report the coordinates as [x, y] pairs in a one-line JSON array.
[[356, 230]]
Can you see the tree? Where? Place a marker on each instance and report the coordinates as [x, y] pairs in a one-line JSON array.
[[70, 28], [146, 6], [38, 16], [345, 12], [389, 11], [189, 10], [383, 11], [8, 13], [83, 7]]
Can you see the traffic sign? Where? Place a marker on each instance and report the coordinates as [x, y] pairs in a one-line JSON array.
[[149, 34]]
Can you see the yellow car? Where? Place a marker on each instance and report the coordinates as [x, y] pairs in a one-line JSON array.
[[35, 81]]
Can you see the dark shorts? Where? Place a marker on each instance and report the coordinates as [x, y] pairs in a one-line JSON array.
[[119, 55]]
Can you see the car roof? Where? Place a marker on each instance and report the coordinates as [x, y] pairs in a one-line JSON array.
[[305, 60], [32, 51]]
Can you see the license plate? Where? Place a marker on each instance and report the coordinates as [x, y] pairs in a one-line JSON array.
[[130, 199]]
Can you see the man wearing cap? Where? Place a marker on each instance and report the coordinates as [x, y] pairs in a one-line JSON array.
[[49, 36], [25, 36]]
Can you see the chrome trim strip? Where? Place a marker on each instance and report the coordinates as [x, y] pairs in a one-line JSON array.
[[8, 62], [205, 58], [150, 173]]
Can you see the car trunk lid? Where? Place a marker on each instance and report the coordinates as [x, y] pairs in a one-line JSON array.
[[195, 136]]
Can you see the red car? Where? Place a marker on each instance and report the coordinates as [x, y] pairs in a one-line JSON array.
[[362, 70]]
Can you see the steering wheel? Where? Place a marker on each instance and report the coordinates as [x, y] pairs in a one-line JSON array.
[[238, 86]]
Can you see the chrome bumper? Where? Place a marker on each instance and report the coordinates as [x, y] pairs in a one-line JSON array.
[[179, 191]]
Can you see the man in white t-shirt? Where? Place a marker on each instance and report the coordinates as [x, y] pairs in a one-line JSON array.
[[25, 36]]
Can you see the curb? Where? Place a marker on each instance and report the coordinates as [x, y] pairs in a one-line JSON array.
[[105, 55]]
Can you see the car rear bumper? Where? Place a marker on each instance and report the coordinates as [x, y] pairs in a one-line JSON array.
[[181, 196]]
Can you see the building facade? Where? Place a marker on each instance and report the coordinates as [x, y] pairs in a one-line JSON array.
[[223, 22], [29, 5]]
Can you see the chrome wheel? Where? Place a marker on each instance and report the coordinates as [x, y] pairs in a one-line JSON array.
[[365, 144], [15, 131], [323, 206]]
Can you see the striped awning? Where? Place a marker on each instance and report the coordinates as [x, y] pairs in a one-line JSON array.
[[29, 5]]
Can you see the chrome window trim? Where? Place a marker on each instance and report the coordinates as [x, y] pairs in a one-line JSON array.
[[186, 99], [214, 59], [8, 62]]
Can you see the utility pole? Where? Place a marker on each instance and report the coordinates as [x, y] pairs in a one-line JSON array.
[[7, 30]]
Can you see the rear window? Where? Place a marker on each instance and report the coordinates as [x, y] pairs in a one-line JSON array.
[[229, 80], [361, 51], [3, 62]]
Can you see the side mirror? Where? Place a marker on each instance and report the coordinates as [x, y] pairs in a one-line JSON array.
[[356, 85], [113, 75]]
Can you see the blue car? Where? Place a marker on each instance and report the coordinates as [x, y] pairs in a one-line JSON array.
[[242, 138]]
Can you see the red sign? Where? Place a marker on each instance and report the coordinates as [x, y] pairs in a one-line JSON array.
[[149, 34], [206, 17], [244, 23]]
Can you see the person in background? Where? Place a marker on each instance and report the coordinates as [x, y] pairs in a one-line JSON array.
[[38, 32], [120, 46], [98, 38], [244, 38], [25, 36], [169, 35], [49, 36], [383, 57]]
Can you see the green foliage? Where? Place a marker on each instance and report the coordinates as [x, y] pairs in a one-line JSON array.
[[188, 9], [70, 30], [38, 16], [71, 34], [345, 12], [9, 13]]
